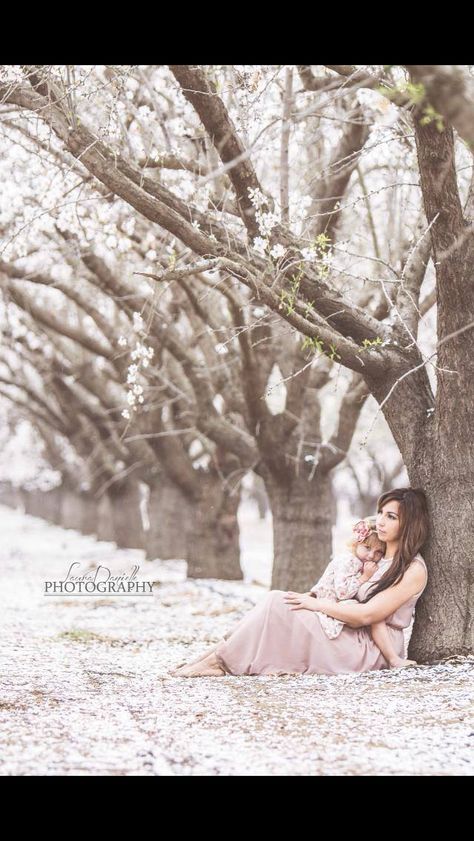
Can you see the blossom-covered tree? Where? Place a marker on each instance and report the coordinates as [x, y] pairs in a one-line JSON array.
[[310, 280]]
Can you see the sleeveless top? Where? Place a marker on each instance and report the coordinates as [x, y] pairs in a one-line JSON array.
[[402, 617]]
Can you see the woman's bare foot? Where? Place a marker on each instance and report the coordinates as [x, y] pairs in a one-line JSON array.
[[206, 667], [188, 663], [401, 663]]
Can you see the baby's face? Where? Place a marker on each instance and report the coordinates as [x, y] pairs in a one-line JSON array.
[[364, 553]]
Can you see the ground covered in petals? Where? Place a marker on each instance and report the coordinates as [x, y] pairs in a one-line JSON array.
[[85, 688]]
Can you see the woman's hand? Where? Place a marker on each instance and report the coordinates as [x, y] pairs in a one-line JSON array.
[[300, 601]]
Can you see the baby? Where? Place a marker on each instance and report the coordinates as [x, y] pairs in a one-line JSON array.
[[344, 575]]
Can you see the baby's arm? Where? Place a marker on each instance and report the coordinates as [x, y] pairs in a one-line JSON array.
[[348, 576], [381, 637], [341, 579]]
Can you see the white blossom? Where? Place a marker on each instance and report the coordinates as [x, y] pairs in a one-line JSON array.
[[260, 245], [309, 253], [129, 225], [124, 245], [256, 197], [138, 324], [266, 222], [277, 251]]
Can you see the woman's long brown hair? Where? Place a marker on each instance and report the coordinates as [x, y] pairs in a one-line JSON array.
[[414, 527]]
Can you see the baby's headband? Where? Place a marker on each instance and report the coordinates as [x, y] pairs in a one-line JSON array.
[[363, 528]]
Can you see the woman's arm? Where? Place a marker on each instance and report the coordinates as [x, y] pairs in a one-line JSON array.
[[354, 615], [381, 606], [389, 600]]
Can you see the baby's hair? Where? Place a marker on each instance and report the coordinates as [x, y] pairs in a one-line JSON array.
[[372, 541]]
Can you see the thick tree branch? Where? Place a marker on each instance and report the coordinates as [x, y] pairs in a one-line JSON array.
[[218, 124], [451, 91]]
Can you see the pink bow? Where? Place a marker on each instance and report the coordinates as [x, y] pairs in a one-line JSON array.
[[361, 530]]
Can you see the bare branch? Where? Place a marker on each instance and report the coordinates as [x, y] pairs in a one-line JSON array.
[[349, 412], [285, 146]]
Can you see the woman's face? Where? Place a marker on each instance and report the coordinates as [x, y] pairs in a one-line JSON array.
[[388, 521]]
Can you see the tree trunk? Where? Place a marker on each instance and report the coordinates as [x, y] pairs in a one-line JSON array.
[[105, 519], [437, 449], [213, 540], [444, 625], [303, 515], [10, 495], [444, 614], [170, 517], [78, 511], [52, 501], [71, 509], [89, 514], [30, 502], [49, 505], [127, 520], [44, 504]]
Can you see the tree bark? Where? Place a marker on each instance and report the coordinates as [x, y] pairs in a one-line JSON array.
[[303, 514], [105, 519], [444, 462], [213, 542], [44, 504], [127, 520], [10, 496], [77, 510], [444, 614], [170, 516]]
